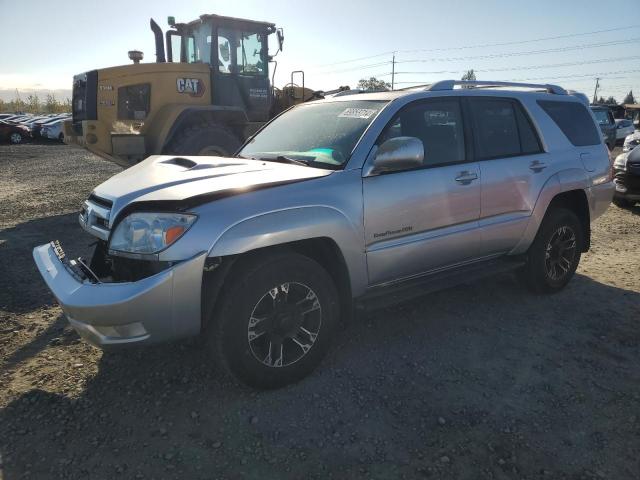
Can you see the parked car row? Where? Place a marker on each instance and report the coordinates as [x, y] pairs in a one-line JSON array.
[[17, 128]]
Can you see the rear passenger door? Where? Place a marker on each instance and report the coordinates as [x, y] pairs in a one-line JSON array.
[[423, 219], [512, 165]]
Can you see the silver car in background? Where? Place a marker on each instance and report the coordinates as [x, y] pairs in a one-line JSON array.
[[351, 202]]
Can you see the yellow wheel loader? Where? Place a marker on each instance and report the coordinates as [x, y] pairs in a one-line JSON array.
[[208, 90]]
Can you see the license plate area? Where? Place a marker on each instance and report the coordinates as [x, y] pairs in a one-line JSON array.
[[77, 267]]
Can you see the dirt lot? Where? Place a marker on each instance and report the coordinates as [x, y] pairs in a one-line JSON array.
[[481, 381]]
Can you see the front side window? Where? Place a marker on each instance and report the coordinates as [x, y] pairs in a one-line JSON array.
[[323, 134], [249, 54], [438, 124], [241, 52]]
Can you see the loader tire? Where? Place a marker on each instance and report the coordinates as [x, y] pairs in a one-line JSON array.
[[204, 139]]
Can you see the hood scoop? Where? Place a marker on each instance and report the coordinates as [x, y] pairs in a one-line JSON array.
[[180, 162], [189, 164]]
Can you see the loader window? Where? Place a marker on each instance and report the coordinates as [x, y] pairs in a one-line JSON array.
[[241, 52], [199, 44], [250, 54]]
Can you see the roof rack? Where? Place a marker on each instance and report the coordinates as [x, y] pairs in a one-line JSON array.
[[449, 84]]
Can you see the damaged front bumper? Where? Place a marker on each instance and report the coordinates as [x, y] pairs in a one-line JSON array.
[[162, 307]]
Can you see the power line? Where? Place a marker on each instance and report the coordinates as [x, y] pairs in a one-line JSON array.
[[484, 45], [530, 52], [526, 67], [520, 42], [601, 75], [597, 74]]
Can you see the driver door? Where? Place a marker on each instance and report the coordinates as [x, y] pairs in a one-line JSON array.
[[424, 219]]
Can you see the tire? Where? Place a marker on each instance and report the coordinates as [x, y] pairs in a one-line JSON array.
[[559, 230], [61, 137], [16, 138], [204, 139], [257, 313]]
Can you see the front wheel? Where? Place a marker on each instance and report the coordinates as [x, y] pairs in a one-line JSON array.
[[276, 320], [555, 253], [204, 139], [16, 138]]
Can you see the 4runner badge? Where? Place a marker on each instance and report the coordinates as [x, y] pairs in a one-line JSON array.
[[193, 86]]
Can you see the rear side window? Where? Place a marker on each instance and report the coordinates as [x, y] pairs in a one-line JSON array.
[[574, 120], [501, 129]]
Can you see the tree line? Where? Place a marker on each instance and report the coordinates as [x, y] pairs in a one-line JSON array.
[[33, 104]]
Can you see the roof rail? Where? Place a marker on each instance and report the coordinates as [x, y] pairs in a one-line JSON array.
[[449, 84]]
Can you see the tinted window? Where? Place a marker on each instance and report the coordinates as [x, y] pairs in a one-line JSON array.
[[495, 128], [574, 120], [438, 124], [529, 142]]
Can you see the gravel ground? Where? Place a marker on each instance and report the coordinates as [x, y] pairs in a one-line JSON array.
[[480, 381]]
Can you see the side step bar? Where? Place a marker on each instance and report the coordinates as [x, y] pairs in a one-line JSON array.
[[386, 295]]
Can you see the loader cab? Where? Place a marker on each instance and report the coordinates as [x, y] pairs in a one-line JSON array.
[[238, 55]]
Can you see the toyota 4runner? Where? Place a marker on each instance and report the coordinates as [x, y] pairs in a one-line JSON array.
[[352, 201]]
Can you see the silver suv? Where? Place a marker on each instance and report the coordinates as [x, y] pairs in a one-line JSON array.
[[342, 203]]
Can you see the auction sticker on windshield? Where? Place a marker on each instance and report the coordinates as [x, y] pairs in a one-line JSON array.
[[357, 113]]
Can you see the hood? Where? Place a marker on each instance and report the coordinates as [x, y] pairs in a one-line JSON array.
[[197, 179]]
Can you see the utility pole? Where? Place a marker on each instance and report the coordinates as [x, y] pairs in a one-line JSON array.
[[595, 92], [393, 70]]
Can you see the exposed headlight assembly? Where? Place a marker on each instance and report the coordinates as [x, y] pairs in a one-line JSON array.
[[144, 233]]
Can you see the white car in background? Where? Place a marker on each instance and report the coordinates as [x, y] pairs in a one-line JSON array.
[[624, 128], [53, 130]]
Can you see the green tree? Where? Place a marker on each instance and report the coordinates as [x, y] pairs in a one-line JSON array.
[[373, 85], [610, 101], [469, 75], [629, 98], [33, 103]]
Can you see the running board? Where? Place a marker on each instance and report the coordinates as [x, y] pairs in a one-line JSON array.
[[387, 295]]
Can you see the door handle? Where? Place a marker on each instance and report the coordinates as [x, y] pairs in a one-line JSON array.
[[465, 178], [537, 166]]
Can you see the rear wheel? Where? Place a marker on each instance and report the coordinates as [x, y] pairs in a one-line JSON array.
[[15, 138], [204, 139], [276, 320], [555, 253]]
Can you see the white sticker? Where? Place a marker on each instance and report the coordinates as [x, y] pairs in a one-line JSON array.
[[357, 113]]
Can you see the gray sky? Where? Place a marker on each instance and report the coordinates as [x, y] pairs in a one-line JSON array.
[[44, 43]]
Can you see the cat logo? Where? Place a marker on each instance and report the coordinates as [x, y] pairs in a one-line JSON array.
[[192, 86]]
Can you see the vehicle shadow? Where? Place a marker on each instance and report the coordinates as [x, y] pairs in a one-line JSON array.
[[481, 377], [21, 286]]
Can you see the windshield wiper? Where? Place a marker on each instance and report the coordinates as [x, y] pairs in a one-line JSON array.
[[284, 159]]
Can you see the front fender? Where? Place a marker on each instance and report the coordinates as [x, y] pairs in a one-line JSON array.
[[295, 224]]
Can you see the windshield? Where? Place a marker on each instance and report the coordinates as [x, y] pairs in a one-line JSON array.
[[319, 134], [602, 116]]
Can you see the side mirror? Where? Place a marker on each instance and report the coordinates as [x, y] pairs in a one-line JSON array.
[[400, 153], [280, 36]]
